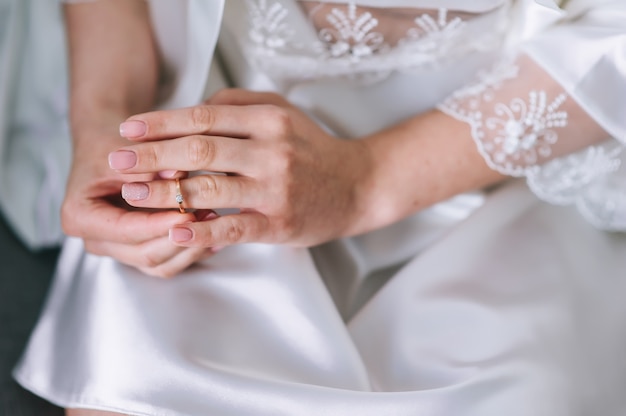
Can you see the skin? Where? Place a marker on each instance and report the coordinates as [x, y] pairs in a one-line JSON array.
[[294, 183], [113, 75], [86, 412], [300, 186]]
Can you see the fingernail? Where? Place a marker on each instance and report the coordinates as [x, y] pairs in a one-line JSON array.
[[208, 216], [167, 174], [133, 129], [180, 234], [135, 191], [217, 249], [122, 159]]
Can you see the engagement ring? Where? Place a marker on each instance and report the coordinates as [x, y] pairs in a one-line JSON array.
[[179, 197]]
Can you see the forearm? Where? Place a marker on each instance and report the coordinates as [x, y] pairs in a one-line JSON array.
[[113, 64], [422, 161], [513, 127]]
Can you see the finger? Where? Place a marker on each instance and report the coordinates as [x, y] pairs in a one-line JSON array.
[[171, 174], [224, 231], [179, 263], [239, 96], [204, 191], [205, 214], [105, 222], [148, 255], [232, 121], [190, 153]]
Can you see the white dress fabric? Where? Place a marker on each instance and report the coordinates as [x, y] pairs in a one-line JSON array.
[[492, 303]]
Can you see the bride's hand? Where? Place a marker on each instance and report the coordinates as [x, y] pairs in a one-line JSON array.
[[293, 183], [94, 211]]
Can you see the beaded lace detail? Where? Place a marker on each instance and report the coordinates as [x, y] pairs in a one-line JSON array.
[[350, 42], [513, 137], [518, 138]]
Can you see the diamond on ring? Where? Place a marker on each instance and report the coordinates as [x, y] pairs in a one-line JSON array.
[[179, 197]]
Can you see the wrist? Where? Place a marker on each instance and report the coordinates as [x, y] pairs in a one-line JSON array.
[[369, 208], [373, 209]]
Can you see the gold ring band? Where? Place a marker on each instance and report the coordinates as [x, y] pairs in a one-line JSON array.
[[179, 197]]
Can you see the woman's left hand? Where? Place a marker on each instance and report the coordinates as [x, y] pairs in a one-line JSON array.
[[293, 183]]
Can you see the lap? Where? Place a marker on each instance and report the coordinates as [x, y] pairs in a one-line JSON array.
[[497, 315]]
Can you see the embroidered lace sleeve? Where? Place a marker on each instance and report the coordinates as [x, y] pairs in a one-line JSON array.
[[525, 124], [556, 113]]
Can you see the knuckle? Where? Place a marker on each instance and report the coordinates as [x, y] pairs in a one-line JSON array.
[[200, 151], [285, 159], [147, 156], [202, 118], [289, 225], [281, 166], [278, 119], [232, 232], [207, 185]]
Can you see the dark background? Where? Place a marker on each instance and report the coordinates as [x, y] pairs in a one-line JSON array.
[[24, 280]]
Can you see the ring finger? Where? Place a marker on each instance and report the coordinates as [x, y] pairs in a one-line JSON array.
[[202, 191]]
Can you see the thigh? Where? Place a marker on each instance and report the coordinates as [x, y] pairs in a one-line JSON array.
[[252, 315], [523, 300]]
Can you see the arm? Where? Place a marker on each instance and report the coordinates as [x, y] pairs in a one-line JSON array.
[[114, 73], [572, 160], [113, 63], [296, 184], [299, 186]]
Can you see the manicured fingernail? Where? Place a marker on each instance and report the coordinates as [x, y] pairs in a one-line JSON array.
[[133, 129], [208, 216], [217, 249], [122, 159], [180, 234], [167, 174], [135, 191]]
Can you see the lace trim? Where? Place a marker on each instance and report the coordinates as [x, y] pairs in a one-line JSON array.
[[591, 180], [352, 45], [519, 138], [520, 134]]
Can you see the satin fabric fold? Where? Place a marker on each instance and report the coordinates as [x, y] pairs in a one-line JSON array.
[[507, 314], [488, 304]]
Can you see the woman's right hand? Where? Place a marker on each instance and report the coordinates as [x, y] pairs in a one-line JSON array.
[[94, 211]]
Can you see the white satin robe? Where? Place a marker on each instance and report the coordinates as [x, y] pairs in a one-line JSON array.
[[492, 303]]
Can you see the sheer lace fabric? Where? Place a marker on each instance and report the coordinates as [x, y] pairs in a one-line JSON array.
[[307, 40], [529, 126], [523, 125]]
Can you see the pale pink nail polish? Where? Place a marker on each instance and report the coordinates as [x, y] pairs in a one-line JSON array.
[[167, 174], [122, 159], [133, 129], [209, 216], [180, 234], [135, 191]]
